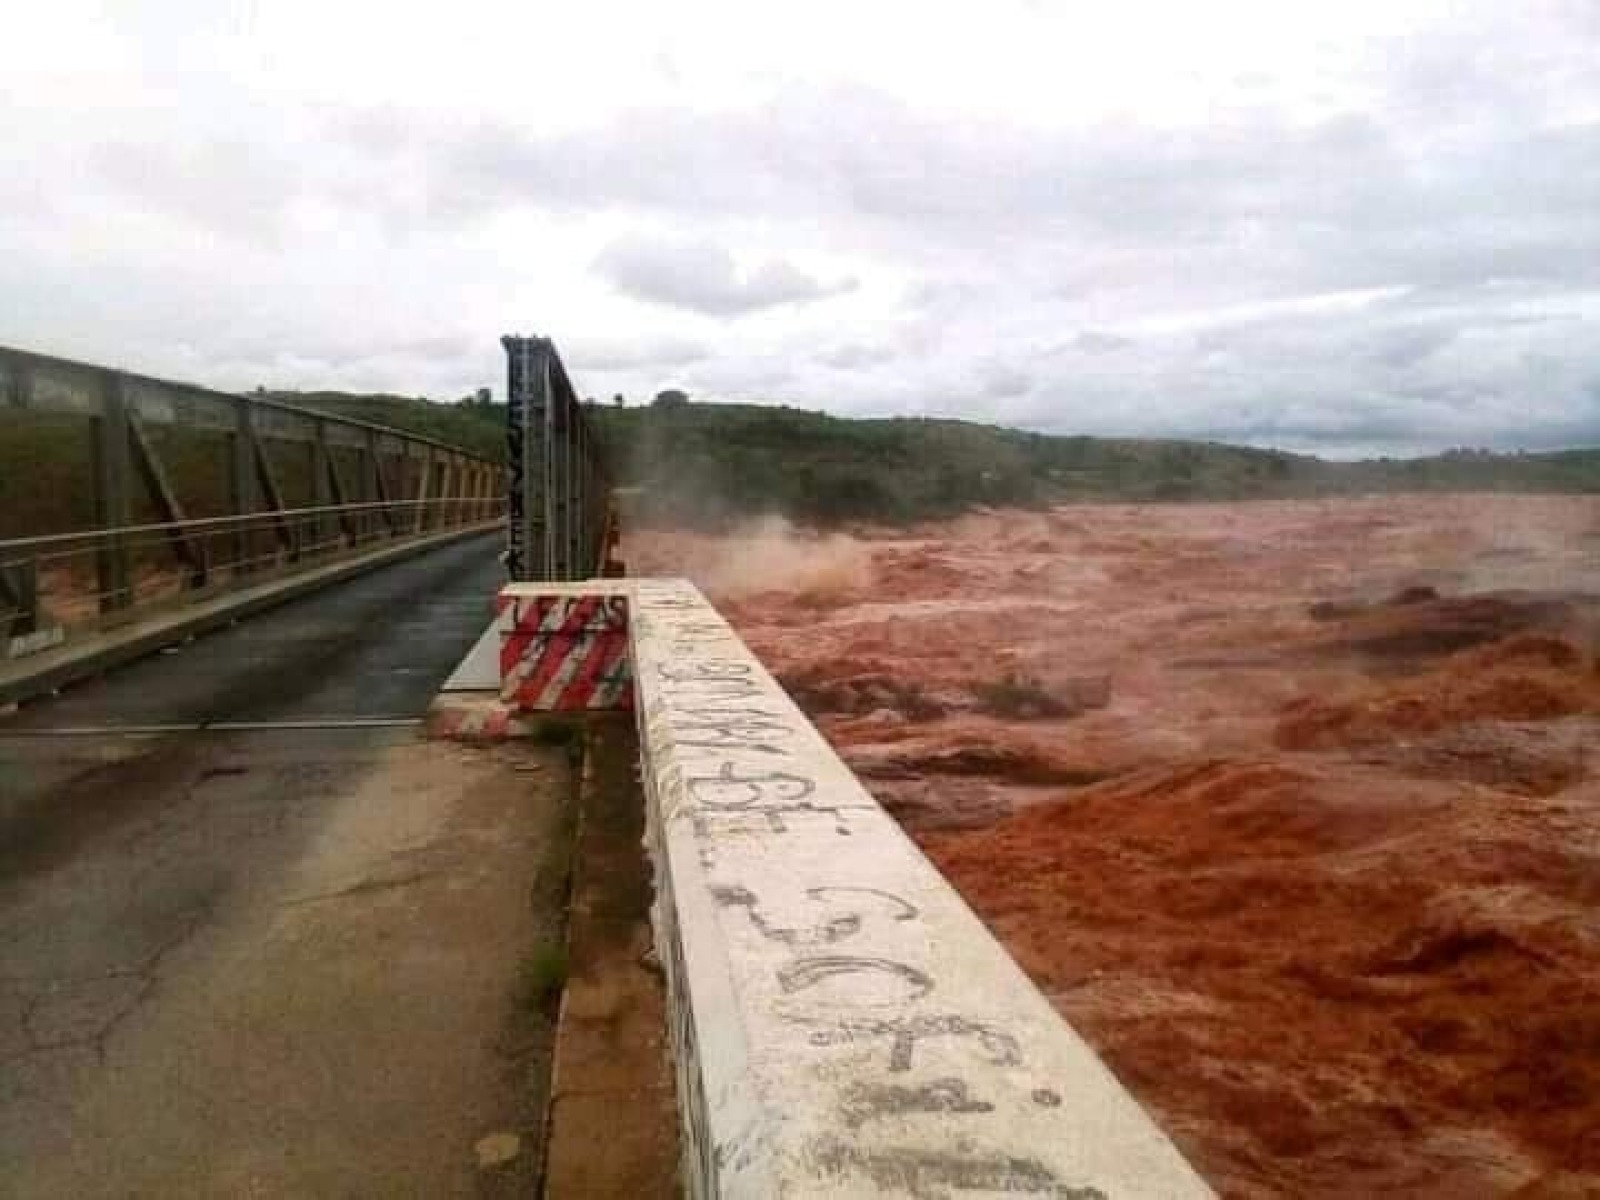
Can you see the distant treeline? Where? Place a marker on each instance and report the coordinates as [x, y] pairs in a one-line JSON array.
[[708, 463]]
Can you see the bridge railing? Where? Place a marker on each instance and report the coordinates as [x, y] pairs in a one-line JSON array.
[[841, 1024], [298, 489], [558, 497]]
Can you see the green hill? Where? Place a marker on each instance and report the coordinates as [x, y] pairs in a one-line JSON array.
[[707, 463], [704, 462], [472, 426]]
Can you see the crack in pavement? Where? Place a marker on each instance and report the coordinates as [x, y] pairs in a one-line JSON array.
[[360, 887], [88, 1025], [82, 1009]]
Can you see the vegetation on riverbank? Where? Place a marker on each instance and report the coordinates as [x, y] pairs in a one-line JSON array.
[[708, 463]]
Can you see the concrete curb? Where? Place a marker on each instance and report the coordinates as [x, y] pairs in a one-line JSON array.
[[610, 1075], [39, 674], [481, 718], [476, 717]]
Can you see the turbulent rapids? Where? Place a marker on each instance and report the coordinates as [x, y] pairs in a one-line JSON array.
[[1291, 808]]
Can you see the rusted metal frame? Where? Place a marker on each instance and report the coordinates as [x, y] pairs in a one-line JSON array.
[[575, 484], [576, 565], [23, 392], [572, 411], [19, 592], [597, 504], [242, 484], [162, 494], [560, 511], [468, 487], [447, 486], [112, 507], [88, 540], [347, 519], [361, 493], [549, 483], [122, 409], [595, 507], [561, 516], [482, 492], [380, 485], [19, 582], [288, 534], [555, 487], [554, 510], [518, 518], [528, 436], [419, 518], [604, 517], [321, 485]]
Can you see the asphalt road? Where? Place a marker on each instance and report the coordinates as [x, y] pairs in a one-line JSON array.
[[375, 646], [256, 936]]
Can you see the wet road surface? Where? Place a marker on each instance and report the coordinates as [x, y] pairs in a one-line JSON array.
[[258, 938]]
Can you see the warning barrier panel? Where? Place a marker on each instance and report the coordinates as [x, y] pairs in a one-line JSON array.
[[564, 653]]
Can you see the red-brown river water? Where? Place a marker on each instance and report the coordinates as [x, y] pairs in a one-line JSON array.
[[1292, 809]]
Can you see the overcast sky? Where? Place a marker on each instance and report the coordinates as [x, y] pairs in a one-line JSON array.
[[1347, 227]]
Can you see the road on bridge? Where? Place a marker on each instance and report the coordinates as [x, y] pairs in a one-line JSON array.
[[256, 936]]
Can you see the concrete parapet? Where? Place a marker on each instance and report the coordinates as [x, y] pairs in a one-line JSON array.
[[843, 1024]]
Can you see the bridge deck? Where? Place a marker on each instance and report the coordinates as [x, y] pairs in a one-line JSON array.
[[280, 956]]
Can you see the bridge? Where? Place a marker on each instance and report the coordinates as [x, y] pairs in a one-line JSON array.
[[260, 933]]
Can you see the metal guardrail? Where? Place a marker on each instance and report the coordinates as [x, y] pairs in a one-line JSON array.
[[52, 585], [558, 494], [368, 484]]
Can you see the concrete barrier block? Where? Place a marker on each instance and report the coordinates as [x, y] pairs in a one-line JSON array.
[[843, 1024], [564, 651]]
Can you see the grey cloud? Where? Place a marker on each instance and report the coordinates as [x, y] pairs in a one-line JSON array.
[[1401, 346], [754, 376], [941, 295], [854, 356], [703, 277], [617, 353], [1407, 372], [1094, 341], [382, 129], [1352, 201], [221, 185], [438, 345], [1004, 382], [1466, 171]]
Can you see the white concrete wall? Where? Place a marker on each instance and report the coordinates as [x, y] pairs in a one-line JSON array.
[[844, 1025]]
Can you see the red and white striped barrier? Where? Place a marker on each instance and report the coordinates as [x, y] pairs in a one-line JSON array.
[[565, 653]]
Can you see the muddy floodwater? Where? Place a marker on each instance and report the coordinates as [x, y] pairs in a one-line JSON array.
[[1292, 809]]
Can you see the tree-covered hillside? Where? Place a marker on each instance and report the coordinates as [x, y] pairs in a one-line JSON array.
[[709, 461], [712, 462], [474, 426]]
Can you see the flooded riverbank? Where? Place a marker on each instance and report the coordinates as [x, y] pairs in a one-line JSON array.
[[1291, 808]]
